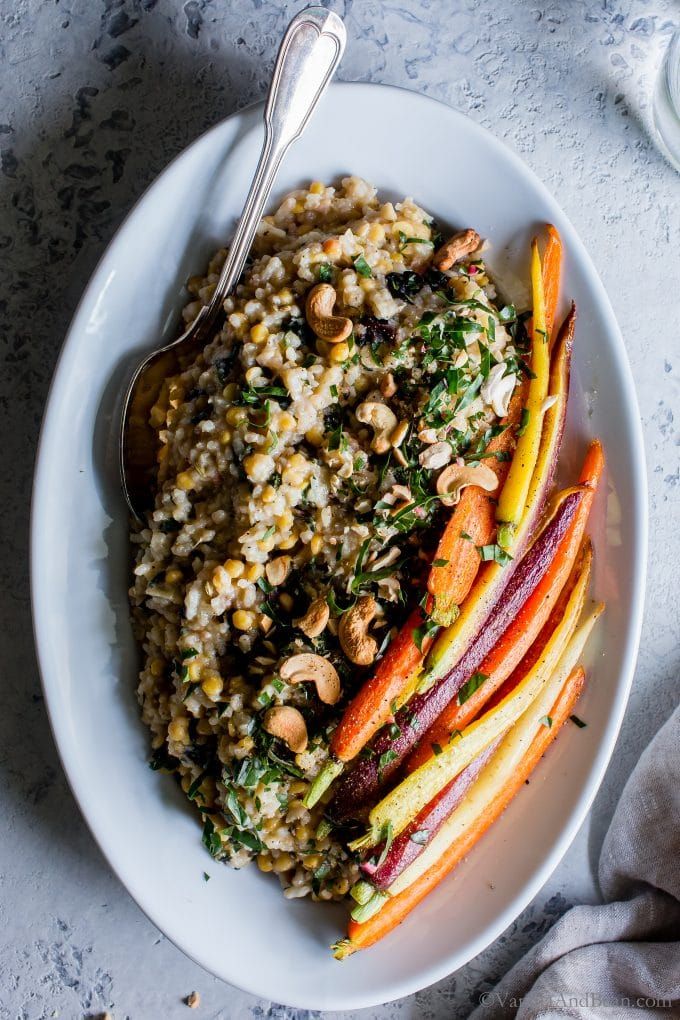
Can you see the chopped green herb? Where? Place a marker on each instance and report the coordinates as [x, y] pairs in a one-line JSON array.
[[472, 685], [494, 553], [426, 630], [385, 759], [546, 720], [485, 360], [323, 828], [325, 272], [235, 809], [335, 607], [436, 749], [388, 836], [190, 690], [206, 876], [210, 838], [578, 722], [524, 421], [362, 267], [196, 785], [404, 240], [250, 840], [440, 563]]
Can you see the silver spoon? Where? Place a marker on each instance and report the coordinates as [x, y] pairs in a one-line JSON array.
[[309, 54]]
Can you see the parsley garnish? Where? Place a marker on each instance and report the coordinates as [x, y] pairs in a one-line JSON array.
[[362, 267], [384, 760], [325, 272], [388, 836], [210, 838], [424, 631], [404, 240], [494, 553], [469, 688]]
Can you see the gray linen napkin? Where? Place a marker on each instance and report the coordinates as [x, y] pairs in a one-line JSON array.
[[623, 957]]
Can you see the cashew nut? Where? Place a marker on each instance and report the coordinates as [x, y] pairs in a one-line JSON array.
[[315, 619], [308, 668], [286, 723], [390, 557], [428, 436], [388, 386], [319, 311], [498, 388], [355, 641], [455, 477], [456, 248], [277, 570], [401, 492], [436, 456], [399, 434], [382, 420], [389, 588]]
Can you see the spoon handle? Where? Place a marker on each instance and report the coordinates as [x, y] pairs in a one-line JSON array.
[[309, 53]]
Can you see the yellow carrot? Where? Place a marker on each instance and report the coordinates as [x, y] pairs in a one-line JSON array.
[[513, 497]]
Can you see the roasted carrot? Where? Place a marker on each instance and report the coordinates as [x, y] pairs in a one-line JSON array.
[[373, 703], [552, 270], [519, 637], [472, 524], [361, 936]]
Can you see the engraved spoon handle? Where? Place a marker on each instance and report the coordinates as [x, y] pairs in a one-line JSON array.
[[309, 54]]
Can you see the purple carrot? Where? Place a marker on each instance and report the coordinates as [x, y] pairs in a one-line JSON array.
[[410, 843], [359, 787]]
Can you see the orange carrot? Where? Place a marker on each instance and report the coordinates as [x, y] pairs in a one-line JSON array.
[[472, 524], [372, 704], [360, 936], [517, 641], [552, 267]]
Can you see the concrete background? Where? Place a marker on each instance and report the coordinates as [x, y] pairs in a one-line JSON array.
[[96, 97]]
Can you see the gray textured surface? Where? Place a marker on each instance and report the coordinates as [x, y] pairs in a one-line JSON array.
[[96, 97]]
